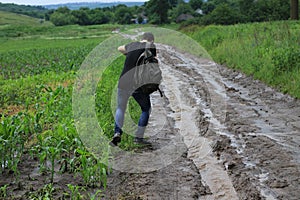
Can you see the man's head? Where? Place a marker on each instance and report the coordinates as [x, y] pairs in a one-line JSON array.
[[148, 36]]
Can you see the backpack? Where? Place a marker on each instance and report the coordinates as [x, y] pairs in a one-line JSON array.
[[148, 75]]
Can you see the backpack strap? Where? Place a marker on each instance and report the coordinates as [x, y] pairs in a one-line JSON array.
[[160, 92], [148, 54], [141, 59], [145, 56]]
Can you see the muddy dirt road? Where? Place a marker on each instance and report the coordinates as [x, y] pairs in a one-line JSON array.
[[235, 137]]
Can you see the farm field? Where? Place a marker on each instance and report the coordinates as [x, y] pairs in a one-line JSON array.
[[248, 135], [42, 155], [38, 68]]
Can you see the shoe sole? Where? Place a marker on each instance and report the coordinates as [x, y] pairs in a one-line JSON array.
[[143, 144], [115, 141]]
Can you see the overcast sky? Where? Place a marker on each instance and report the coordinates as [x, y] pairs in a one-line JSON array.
[[47, 2]]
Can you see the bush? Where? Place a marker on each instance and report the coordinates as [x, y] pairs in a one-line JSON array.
[[223, 15], [61, 19], [286, 59]]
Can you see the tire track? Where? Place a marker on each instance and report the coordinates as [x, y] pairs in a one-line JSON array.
[[181, 88]]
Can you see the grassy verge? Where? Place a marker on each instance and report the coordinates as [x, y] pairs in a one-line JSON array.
[[268, 51]]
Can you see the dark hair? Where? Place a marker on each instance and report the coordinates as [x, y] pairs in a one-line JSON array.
[[148, 36]]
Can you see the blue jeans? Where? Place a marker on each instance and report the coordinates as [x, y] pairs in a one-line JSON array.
[[143, 100]]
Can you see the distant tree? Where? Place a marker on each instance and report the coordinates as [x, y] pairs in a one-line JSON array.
[[62, 16], [247, 10], [270, 10], [280, 10], [109, 16], [48, 14], [182, 8], [82, 16], [223, 15], [174, 3], [195, 4], [97, 16], [295, 9], [63, 10], [208, 7], [61, 19], [123, 15], [185, 8], [157, 11]]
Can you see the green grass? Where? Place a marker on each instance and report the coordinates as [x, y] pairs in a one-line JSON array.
[[269, 51], [30, 62], [49, 31], [40, 43]]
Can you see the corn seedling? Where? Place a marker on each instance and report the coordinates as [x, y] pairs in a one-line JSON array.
[[75, 192], [3, 192]]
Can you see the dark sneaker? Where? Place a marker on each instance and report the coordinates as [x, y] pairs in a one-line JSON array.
[[116, 139], [142, 141]]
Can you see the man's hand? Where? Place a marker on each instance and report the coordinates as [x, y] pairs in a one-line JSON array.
[[122, 49]]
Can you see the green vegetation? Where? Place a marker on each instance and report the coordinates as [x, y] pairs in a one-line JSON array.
[[269, 51], [224, 12]]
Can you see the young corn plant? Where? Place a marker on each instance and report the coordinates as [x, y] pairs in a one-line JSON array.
[[3, 192], [96, 195], [90, 168], [54, 152], [45, 193], [12, 139], [75, 192], [49, 149]]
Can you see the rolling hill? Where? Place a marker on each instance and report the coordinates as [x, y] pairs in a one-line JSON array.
[[9, 18], [92, 5]]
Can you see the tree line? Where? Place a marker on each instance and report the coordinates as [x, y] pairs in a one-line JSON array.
[[223, 12], [203, 12]]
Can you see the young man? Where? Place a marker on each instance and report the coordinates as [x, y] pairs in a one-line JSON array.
[[132, 51]]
